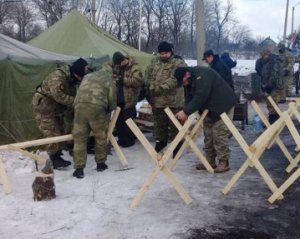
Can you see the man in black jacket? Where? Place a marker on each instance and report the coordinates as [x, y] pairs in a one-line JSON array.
[[219, 66], [205, 89]]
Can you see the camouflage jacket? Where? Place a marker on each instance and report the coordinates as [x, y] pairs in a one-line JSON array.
[[162, 85], [287, 61], [271, 73], [98, 89], [130, 79], [56, 93]]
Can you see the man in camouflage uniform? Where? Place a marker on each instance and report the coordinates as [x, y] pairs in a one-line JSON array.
[[271, 81], [95, 100], [205, 89], [162, 92], [287, 68], [52, 104], [128, 76]]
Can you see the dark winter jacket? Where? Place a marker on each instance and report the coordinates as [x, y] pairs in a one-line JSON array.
[[207, 90], [219, 66], [228, 61]]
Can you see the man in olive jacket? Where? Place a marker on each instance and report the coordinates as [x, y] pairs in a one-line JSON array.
[[205, 89]]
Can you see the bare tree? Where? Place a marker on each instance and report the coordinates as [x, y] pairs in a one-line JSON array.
[[22, 16], [239, 34], [51, 11], [223, 15]]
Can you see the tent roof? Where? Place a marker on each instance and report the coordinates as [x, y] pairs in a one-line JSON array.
[[13, 49], [75, 35]]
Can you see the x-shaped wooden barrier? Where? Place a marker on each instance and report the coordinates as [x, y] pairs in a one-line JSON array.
[[19, 147], [189, 140], [253, 153], [293, 110], [294, 132], [161, 163], [276, 138]]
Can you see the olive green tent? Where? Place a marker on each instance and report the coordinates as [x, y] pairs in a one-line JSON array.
[[22, 68], [75, 35]]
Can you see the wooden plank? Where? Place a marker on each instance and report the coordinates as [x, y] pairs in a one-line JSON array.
[[38, 142], [145, 187], [112, 123], [28, 154], [4, 178], [118, 151], [178, 187], [285, 186], [141, 137]]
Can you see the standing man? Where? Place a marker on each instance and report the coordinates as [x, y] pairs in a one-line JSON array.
[[271, 81], [95, 100], [162, 91], [287, 68], [219, 66], [53, 102], [225, 57], [129, 80], [205, 89]]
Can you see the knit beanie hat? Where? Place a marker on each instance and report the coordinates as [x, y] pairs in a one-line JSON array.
[[165, 47], [118, 57], [179, 74], [78, 67]]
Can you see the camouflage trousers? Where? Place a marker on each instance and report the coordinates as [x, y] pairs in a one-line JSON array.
[[89, 118], [288, 86], [163, 128], [216, 136], [52, 120], [276, 96], [51, 125]]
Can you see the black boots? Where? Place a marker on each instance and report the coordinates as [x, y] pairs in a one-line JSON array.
[[78, 173], [159, 145], [58, 162], [101, 167]]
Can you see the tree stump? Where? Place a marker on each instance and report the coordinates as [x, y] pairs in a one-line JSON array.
[[43, 187]]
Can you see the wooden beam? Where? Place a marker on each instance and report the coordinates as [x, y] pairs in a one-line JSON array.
[[4, 178]]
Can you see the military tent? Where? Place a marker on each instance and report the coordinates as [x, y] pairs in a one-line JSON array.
[[75, 35], [22, 68]]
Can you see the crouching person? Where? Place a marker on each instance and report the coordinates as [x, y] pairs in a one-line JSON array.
[[205, 89], [95, 100]]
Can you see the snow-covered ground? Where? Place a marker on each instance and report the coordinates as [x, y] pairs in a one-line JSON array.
[[98, 206]]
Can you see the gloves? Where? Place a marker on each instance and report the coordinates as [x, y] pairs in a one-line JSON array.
[[286, 72]]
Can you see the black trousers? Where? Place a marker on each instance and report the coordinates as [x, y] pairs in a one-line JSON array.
[[125, 136]]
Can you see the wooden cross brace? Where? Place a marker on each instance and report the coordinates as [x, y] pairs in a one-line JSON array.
[[296, 174], [189, 140], [253, 153], [160, 161], [3, 178], [292, 110], [276, 138]]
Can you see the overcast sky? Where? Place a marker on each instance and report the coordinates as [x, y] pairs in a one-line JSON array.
[[266, 17]]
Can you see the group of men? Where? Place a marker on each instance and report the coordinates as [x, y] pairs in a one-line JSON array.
[[276, 72], [168, 82]]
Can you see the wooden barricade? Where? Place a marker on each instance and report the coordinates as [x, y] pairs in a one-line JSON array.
[[189, 140], [253, 153], [19, 147], [289, 123], [160, 161]]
